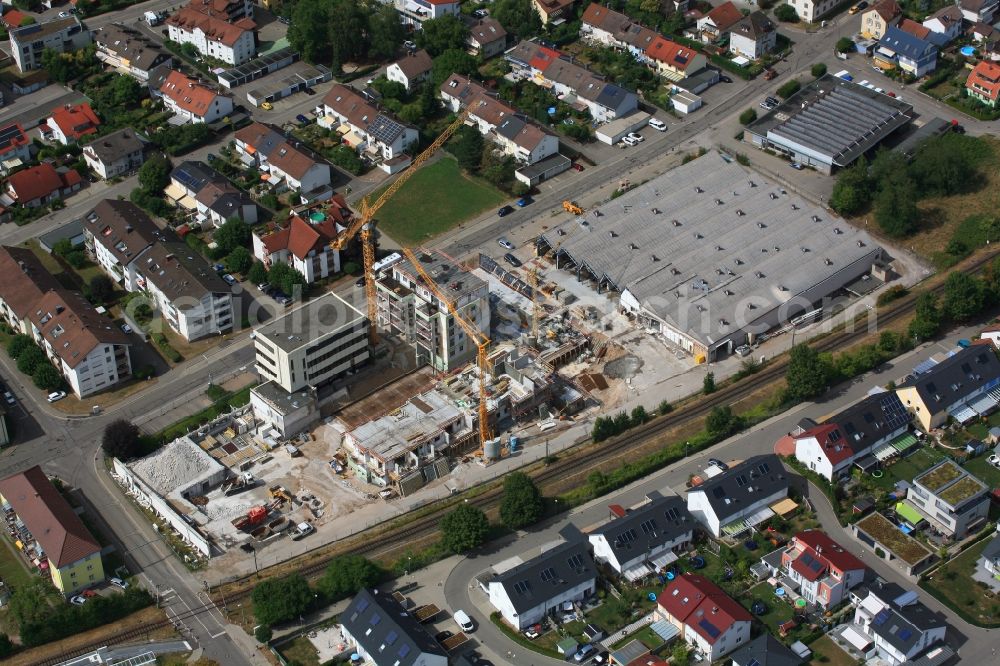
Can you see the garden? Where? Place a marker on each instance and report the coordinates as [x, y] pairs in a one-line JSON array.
[[952, 583]]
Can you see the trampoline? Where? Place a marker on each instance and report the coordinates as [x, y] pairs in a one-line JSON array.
[[750, 544], [758, 608], [779, 591], [877, 474]]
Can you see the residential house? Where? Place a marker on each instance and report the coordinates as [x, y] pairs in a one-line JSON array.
[[70, 123], [945, 25], [952, 500], [646, 538], [40, 519], [129, 51], [674, 61], [62, 35], [989, 561], [765, 650], [383, 633], [984, 84], [116, 233], [411, 69], [982, 33], [554, 11], [894, 620], [820, 570], [303, 241], [602, 25], [539, 586], [115, 154], [716, 23], [192, 100], [708, 619], [228, 10], [232, 43], [14, 143], [415, 12], [87, 348], [878, 17], [812, 11], [314, 345], [753, 36], [366, 127], [912, 55], [42, 184], [487, 38], [979, 11], [918, 30], [25, 282], [209, 195], [515, 133], [739, 498], [961, 386], [845, 438], [290, 165], [549, 68]]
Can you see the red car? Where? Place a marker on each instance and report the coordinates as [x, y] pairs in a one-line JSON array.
[[577, 167], [90, 594]]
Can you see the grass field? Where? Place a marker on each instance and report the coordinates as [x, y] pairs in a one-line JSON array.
[[778, 611], [435, 199], [953, 583], [12, 569], [907, 468], [300, 651], [834, 656]]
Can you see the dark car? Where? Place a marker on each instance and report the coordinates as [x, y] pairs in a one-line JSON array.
[[524, 201], [310, 91], [442, 636], [512, 260], [718, 463], [725, 79], [302, 119], [506, 210], [360, 282]]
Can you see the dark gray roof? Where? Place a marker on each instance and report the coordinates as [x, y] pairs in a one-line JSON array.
[[871, 418], [992, 550], [936, 655], [385, 129], [121, 227], [956, 377], [132, 45], [389, 634], [648, 527], [902, 627], [613, 97], [510, 127], [905, 44], [194, 175], [547, 575], [753, 25], [116, 145], [756, 477], [178, 271], [765, 650]]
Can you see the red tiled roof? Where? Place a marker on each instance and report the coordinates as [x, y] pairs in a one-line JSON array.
[[39, 181], [725, 16], [25, 279], [188, 93], [49, 517], [300, 237], [821, 546], [914, 28], [13, 18], [543, 57], [14, 139], [215, 29], [887, 9], [673, 54], [835, 447], [696, 601], [812, 571], [76, 121]]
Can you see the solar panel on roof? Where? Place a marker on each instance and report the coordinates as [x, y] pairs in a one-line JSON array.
[[404, 650], [709, 628], [391, 637], [375, 619], [7, 135], [905, 634], [753, 662], [362, 605], [880, 618]]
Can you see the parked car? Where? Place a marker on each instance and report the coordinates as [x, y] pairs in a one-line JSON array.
[[442, 636], [504, 243], [743, 350], [64, 14], [512, 260], [89, 593], [360, 282], [506, 210], [218, 268], [577, 167], [796, 166], [8, 397], [629, 141], [302, 119], [658, 125], [56, 396], [126, 329], [718, 463], [78, 599], [725, 79], [636, 136], [264, 287], [118, 582], [858, 7], [584, 653], [463, 620], [409, 45], [309, 91], [524, 201], [481, 13], [230, 280], [602, 658]]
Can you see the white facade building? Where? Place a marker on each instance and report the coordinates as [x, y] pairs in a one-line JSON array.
[[739, 497], [62, 35], [232, 43]]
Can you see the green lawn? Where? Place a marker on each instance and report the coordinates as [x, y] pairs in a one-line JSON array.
[[907, 468], [826, 653], [301, 651], [435, 199], [953, 584], [645, 635], [12, 568], [982, 470], [778, 611]]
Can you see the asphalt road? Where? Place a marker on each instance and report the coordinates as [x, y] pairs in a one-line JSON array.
[[972, 643]]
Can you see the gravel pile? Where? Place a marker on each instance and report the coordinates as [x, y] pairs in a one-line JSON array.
[[179, 463]]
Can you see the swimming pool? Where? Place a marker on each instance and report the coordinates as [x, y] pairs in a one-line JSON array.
[[968, 51]]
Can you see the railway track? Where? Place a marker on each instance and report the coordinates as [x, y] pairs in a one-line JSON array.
[[613, 449]]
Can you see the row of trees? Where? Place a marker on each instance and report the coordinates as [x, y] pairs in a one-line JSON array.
[[478, 157], [335, 32], [31, 361]]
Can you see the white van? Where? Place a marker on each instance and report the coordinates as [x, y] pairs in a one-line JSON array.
[[463, 620], [658, 125]]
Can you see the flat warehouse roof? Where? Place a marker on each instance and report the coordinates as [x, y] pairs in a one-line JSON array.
[[710, 247], [306, 324], [837, 119]]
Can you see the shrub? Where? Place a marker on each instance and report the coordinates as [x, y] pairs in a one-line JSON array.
[[748, 116], [786, 13], [789, 88], [818, 70]]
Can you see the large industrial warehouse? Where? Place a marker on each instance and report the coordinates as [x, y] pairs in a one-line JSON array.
[[830, 123], [711, 255]]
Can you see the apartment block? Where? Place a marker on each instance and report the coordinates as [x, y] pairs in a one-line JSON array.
[[62, 35], [952, 500]]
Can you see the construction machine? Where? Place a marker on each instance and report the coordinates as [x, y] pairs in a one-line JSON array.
[[481, 341], [364, 219], [572, 207]]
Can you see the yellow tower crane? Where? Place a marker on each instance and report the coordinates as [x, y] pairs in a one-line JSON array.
[[481, 341], [363, 221]]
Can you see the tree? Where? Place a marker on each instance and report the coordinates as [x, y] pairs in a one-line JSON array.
[[385, 32], [518, 17], [121, 439], [896, 205], [308, 30], [262, 633], [281, 599], [721, 422], [788, 88], [239, 260], [452, 61], [287, 279], [154, 175], [786, 13], [945, 165], [233, 233], [46, 377], [708, 384], [682, 653], [442, 34], [844, 45], [520, 504], [464, 528], [101, 289], [818, 70], [748, 116], [964, 296], [466, 144], [807, 374], [29, 360], [926, 320], [852, 191], [257, 273], [638, 416], [18, 344], [345, 575]]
